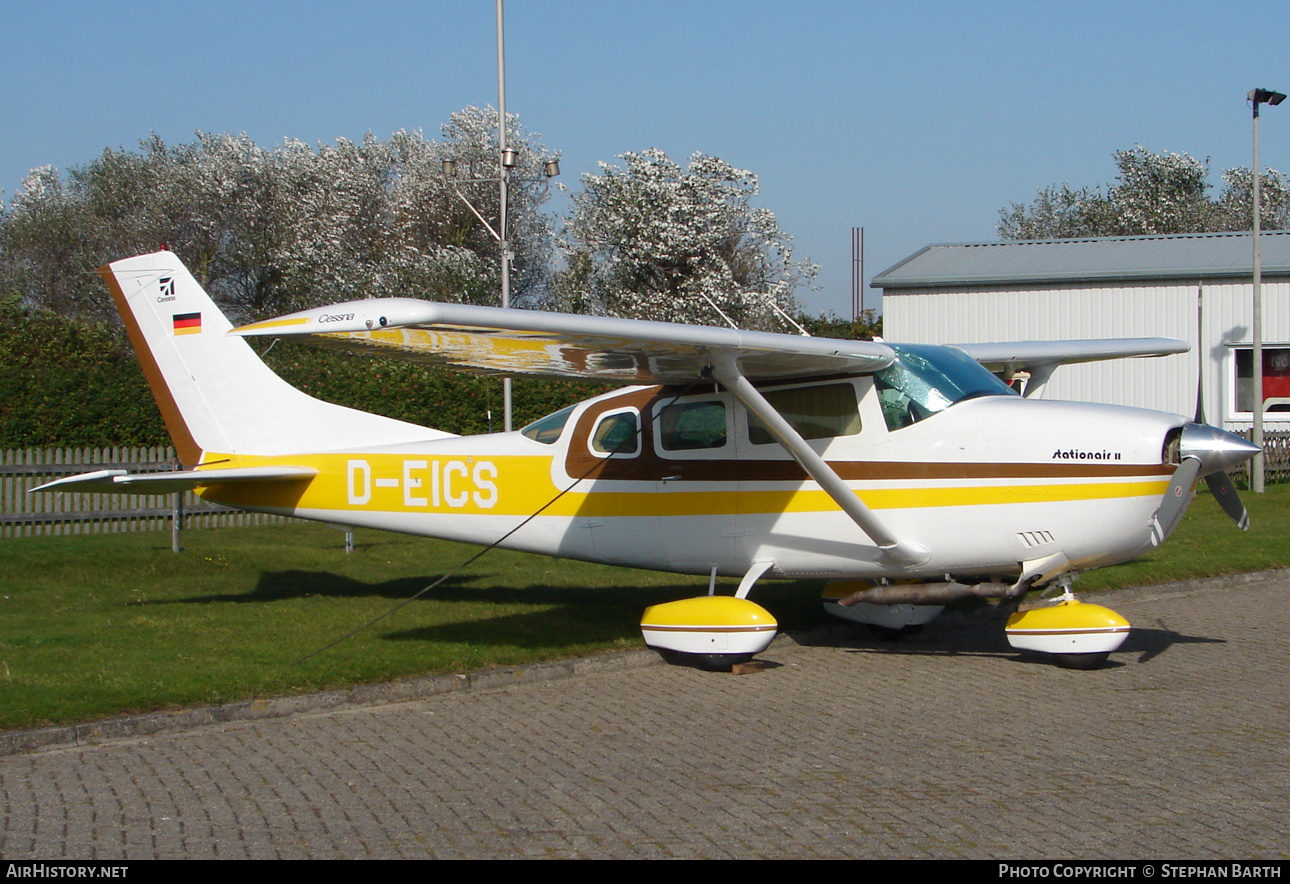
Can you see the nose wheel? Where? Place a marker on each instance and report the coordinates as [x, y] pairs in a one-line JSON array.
[[1076, 635]]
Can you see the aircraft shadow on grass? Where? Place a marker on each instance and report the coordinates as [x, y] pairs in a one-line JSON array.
[[559, 615]]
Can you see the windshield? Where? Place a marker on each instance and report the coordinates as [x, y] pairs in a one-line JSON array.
[[927, 379]]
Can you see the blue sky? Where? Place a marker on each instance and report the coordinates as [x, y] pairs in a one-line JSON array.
[[915, 120]]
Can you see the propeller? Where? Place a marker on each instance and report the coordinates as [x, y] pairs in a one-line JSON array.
[[1205, 452]]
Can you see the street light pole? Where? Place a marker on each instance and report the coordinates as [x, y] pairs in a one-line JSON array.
[[1257, 97], [503, 173], [507, 159]]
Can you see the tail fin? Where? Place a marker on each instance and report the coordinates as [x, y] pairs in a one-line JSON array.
[[214, 392]]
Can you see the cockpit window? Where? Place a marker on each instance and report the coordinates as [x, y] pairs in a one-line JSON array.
[[926, 379], [548, 429]]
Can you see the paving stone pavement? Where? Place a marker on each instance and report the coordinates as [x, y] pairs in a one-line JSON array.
[[949, 745]]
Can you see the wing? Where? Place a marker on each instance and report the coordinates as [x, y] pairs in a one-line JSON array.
[[517, 342], [123, 482], [1041, 358], [1027, 355]]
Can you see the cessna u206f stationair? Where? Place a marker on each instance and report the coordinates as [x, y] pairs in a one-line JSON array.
[[909, 475]]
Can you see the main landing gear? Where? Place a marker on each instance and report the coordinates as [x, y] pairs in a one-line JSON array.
[[714, 632]]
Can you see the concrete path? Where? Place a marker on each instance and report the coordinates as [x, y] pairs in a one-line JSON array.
[[950, 745]]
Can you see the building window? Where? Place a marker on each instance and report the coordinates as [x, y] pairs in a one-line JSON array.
[[1276, 382]]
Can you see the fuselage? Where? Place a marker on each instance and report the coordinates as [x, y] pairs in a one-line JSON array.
[[687, 481]]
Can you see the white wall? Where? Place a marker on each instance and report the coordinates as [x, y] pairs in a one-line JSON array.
[[1105, 311]]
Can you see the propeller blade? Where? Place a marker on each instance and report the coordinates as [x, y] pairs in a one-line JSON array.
[[1219, 484], [1174, 503], [1225, 493]]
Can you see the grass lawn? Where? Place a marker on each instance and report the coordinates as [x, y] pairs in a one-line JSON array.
[[98, 625]]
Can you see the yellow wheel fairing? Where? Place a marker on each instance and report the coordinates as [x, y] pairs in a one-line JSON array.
[[1069, 627], [709, 625]]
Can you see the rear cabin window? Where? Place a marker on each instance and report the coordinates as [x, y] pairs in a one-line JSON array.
[[821, 412], [691, 426]]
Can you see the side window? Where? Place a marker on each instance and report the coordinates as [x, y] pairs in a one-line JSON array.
[[548, 429], [821, 412], [692, 426], [617, 435], [898, 409]]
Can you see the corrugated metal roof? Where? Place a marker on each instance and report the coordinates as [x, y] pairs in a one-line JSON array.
[[1180, 256]]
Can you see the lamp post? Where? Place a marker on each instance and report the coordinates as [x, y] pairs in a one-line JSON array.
[[507, 159], [504, 171], [1257, 97]]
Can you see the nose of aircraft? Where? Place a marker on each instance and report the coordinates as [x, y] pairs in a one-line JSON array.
[[1217, 450]]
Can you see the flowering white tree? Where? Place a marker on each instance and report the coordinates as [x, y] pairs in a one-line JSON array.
[[1155, 193], [274, 230], [1236, 202], [650, 240]]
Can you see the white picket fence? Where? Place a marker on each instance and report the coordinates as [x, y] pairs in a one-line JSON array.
[[23, 514]]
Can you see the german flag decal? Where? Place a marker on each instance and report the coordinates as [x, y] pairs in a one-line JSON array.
[[188, 323]]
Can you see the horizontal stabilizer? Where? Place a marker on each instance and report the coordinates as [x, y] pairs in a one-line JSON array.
[[123, 482]]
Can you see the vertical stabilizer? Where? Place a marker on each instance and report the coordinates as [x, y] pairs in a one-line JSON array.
[[214, 392]]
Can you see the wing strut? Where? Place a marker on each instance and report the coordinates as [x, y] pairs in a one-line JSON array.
[[904, 552]]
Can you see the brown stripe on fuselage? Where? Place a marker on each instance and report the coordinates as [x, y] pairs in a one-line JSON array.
[[649, 467], [190, 453]]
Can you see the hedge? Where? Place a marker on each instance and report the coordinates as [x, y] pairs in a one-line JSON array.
[[79, 384]]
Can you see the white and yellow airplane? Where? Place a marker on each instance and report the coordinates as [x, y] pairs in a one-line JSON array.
[[908, 475]]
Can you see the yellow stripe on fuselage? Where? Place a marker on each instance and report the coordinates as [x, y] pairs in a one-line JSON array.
[[520, 485]]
